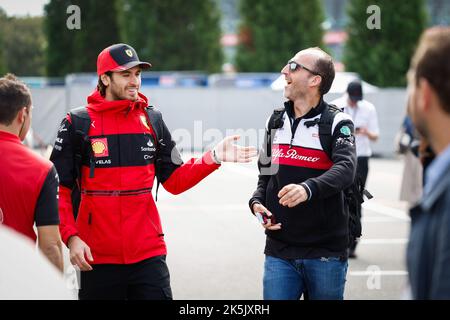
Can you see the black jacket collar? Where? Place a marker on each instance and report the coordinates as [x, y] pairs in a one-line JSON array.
[[289, 106]]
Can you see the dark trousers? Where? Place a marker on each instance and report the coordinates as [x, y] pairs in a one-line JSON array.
[[146, 280], [362, 170]]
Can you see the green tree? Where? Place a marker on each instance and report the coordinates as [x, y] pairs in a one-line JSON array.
[[382, 56], [175, 34], [2, 57], [60, 40], [76, 50], [271, 32], [22, 45], [2, 61], [99, 29]]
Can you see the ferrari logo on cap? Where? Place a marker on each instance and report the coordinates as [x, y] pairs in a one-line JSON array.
[[129, 53]]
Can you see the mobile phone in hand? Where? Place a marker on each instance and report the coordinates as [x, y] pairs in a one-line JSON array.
[[263, 217]]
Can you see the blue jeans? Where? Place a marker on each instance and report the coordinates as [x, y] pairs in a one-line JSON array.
[[322, 279]]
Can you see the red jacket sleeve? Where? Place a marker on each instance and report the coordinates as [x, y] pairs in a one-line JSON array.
[[63, 159], [190, 173], [67, 226]]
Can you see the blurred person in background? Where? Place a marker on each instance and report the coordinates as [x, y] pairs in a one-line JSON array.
[[407, 144], [116, 238], [28, 182], [428, 253], [364, 116]]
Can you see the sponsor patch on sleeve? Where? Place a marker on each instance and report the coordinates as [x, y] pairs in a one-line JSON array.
[[346, 131]]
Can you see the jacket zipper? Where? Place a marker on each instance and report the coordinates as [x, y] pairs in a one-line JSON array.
[[292, 132]]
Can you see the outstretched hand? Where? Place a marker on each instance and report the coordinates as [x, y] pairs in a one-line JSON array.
[[227, 151]]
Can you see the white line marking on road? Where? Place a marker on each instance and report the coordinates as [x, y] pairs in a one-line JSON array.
[[385, 210]]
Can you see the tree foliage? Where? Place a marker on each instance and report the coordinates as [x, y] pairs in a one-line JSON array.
[[22, 45], [382, 56], [76, 50], [175, 34], [272, 31]]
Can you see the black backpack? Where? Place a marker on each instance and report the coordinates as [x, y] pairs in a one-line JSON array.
[[81, 123], [354, 194]]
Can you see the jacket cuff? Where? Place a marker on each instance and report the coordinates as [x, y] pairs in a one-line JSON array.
[[209, 160], [309, 190], [66, 234], [251, 203]]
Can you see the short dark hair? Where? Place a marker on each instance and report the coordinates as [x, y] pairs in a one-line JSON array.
[[100, 86], [325, 68], [14, 95], [430, 62]]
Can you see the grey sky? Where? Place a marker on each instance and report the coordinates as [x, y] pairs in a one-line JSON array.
[[23, 7]]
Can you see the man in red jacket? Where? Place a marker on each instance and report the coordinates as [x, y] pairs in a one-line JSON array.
[[117, 239], [28, 182]]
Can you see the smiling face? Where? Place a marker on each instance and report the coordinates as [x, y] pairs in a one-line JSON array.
[[301, 81], [123, 85]]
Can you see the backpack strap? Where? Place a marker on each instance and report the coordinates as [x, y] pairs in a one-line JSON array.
[[275, 122], [80, 141], [81, 123], [154, 117], [325, 126]]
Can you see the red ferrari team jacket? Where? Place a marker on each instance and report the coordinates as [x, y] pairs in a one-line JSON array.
[[117, 217], [28, 187]]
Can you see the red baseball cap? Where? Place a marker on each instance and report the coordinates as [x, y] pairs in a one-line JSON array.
[[119, 57]]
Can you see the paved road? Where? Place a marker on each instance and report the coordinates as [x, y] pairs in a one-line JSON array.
[[216, 246]]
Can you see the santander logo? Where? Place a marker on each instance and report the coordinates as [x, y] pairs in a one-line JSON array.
[[1, 216], [293, 154]]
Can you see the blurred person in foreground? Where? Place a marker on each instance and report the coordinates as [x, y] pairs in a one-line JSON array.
[[428, 253], [26, 274], [303, 199], [28, 182], [116, 238], [364, 116]]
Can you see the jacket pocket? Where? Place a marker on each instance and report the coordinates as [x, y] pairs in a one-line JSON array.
[[85, 219], [89, 227]]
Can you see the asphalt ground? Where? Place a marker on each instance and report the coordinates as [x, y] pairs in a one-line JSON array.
[[215, 245]]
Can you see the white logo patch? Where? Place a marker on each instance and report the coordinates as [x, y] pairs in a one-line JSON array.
[[62, 128]]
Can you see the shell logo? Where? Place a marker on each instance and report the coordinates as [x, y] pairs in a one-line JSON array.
[[100, 147]]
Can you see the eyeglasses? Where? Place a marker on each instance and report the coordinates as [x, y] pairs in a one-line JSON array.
[[293, 66]]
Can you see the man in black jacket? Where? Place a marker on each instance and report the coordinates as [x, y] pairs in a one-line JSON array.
[[307, 230]]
